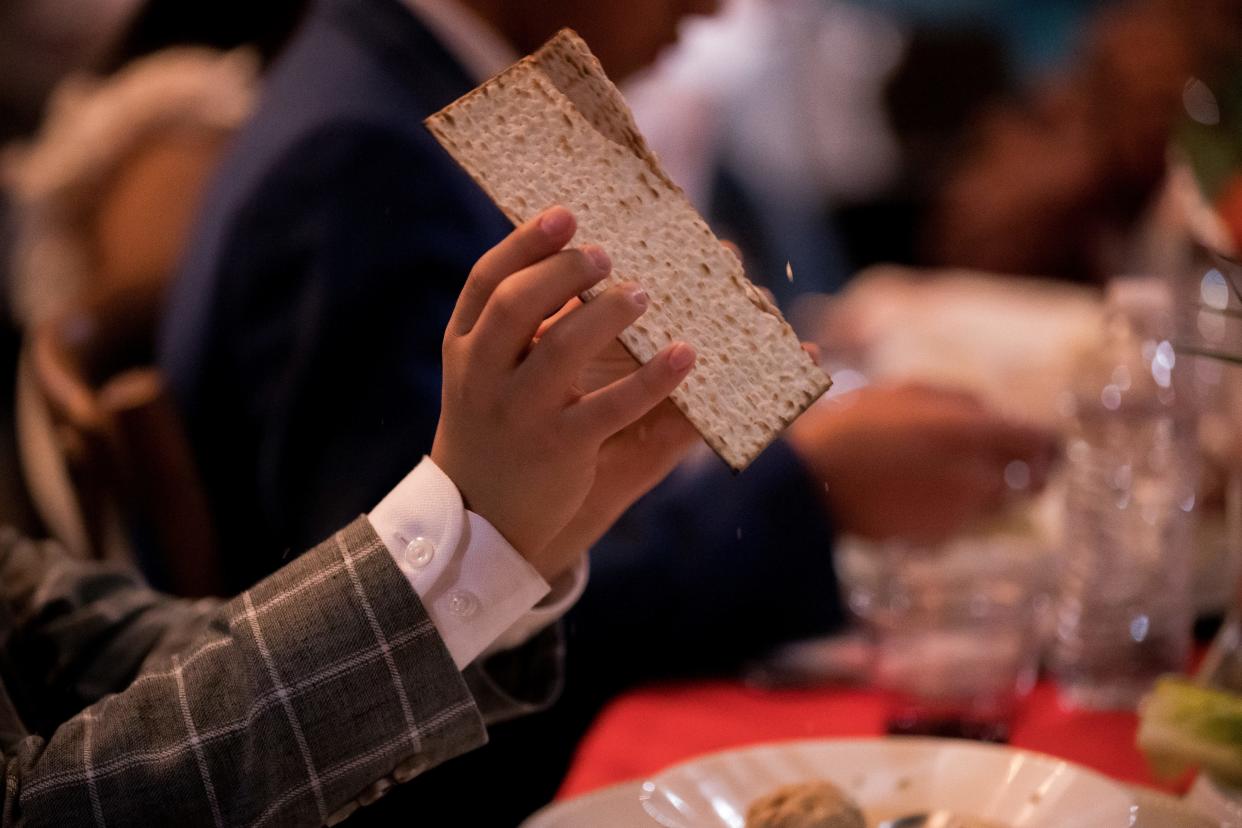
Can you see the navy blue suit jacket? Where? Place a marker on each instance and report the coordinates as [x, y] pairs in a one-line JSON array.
[[303, 342]]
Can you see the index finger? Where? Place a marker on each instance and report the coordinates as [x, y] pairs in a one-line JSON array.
[[529, 243]]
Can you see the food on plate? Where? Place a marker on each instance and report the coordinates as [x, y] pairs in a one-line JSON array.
[[552, 129], [819, 804], [1185, 725]]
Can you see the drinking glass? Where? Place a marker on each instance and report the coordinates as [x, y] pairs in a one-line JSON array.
[[956, 631]]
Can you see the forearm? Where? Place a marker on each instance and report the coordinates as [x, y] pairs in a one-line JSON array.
[[81, 629], [296, 699]]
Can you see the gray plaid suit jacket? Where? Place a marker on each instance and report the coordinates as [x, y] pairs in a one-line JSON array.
[[304, 697]]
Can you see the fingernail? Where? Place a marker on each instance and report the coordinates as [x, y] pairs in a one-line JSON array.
[[680, 357], [556, 221], [639, 296], [599, 257]]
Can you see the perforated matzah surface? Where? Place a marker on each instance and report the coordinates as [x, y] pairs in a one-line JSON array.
[[553, 129]]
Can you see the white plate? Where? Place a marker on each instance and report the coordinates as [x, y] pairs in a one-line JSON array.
[[618, 807], [892, 777], [612, 807]]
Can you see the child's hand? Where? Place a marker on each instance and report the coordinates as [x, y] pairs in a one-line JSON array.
[[517, 436], [634, 459], [631, 462]]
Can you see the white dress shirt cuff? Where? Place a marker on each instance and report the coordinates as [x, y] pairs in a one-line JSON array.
[[566, 590], [479, 592]]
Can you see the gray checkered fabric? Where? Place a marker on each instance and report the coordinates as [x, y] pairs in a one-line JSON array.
[[308, 695]]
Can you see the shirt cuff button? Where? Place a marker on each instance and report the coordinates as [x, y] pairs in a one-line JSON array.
[[461, 603], [419, 552]]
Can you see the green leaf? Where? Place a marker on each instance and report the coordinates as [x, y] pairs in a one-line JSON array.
[[1186, 726]]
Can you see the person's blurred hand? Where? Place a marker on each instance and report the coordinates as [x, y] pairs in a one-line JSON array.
[[913, 461], [528, 443]]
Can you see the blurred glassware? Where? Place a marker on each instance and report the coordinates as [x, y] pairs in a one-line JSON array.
[[1209, 302], [1206, 181], [1124, 610], [1205, 184], [1209, 340], [955, 628]]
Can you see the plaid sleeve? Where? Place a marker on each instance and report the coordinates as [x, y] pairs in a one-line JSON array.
[[81, 629], [293, 701]]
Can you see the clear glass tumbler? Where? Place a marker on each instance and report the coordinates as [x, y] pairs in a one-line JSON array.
[[956, 633]]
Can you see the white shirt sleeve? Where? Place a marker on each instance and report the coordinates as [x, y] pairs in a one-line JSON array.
[[479, 592]]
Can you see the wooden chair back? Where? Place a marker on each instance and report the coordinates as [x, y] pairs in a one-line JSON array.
[[122, 439]]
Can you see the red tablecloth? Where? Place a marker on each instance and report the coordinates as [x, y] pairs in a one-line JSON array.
[[650, 729]]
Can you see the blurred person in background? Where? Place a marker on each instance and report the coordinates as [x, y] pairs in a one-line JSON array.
[[821, 132], [960, 58], [332, 243], [105, 191], [41, 41], [1057, 183], [104, 197], [1034, 38], [769, 114]]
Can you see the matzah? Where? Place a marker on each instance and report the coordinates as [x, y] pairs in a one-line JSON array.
[[552, 129]]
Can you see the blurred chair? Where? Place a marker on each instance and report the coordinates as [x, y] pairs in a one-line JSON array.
[[120, 442]]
